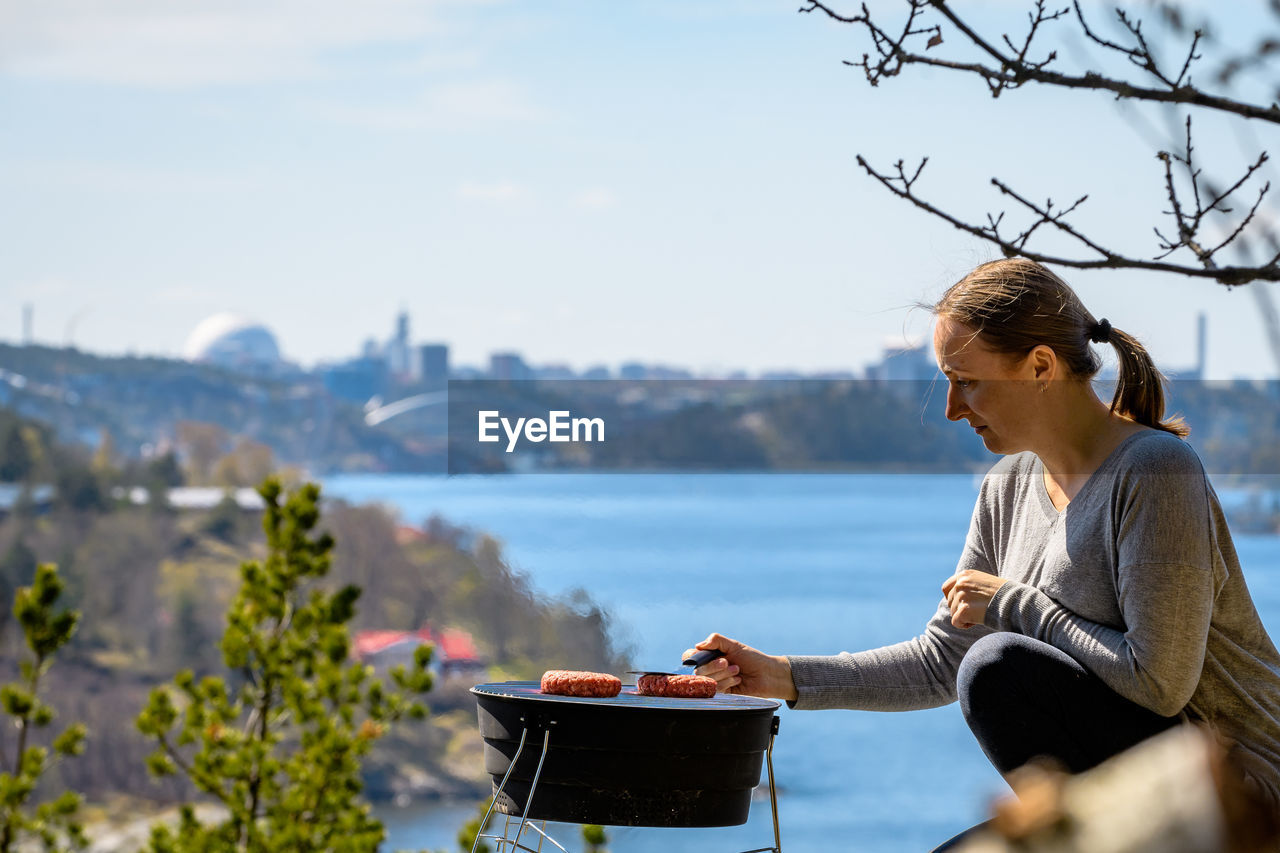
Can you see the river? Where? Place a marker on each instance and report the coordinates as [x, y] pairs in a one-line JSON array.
[[803, 563]]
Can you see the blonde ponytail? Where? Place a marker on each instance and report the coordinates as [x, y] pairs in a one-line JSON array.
[[1140, 387]]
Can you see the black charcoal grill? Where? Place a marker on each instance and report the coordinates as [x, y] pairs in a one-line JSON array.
[[627, 761]]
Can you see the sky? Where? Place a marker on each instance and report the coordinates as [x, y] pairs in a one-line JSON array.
[[584, 183]]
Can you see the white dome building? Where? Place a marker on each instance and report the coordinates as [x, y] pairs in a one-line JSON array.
[[234, 342]]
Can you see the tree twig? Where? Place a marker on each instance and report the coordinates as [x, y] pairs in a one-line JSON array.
[[1231, 275], [1014, 63]]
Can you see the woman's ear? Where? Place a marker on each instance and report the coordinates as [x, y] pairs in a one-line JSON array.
[[1044, 362]]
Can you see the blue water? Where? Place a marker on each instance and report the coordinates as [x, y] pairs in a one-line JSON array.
[[790, 563]]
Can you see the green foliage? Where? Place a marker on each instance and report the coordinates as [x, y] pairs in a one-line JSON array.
[[151, 397], [16, 459], [17, 567], [279, 743], [164, 471], [472, 828], [52, 824], [223, 521], [594, 838], [593, 835], [78, 488]]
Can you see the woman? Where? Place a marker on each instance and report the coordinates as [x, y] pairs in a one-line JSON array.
[[1098, 599]]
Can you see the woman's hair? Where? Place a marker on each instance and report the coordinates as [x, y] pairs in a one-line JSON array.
[[1015, 305]]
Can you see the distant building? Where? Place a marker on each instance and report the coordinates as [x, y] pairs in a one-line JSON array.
[[397, 351], [904, 363], [636, 370], [508, 366], [194, 497], [1197, 372], [357, 380], [233, 342], [455, 651], [554, 371], [433, 365], [1202, 345], [468, 373]]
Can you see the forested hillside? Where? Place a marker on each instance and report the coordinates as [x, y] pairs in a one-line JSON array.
[[153, 586], [142, 406]]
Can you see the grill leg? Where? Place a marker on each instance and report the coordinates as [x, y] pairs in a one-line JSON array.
[[773, 795], [485, 820], [533, 786], [773, 791]]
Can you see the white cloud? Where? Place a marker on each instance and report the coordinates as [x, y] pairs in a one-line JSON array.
[[44, 288], [183, 294], [447, 59], [488, 100], [595, 198], [450, 106], [166, 44], [120, 178], [499, 193], [511, 319]]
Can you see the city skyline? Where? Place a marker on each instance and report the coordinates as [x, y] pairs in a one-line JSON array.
[[239, 343], [217, 340]]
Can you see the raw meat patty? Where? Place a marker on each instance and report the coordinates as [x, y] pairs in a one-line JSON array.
[[593, 685], [678, 686]]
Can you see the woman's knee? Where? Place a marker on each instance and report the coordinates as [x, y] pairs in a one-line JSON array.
[[979, 671], [998, 664]]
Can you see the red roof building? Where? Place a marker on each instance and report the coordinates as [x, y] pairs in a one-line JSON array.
[[455, 649]]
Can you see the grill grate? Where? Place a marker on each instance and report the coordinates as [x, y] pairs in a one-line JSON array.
[[628, 698]]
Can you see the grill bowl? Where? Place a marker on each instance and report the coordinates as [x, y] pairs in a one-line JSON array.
[[627, 761]]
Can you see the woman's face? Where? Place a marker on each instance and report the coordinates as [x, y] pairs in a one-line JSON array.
[[996, 393]]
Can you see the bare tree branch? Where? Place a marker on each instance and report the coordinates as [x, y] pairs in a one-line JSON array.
[[1011, 73], [1014, 62], [1244, 224], [902, 187]]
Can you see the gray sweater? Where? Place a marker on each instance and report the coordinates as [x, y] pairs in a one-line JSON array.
[[1137, 580]]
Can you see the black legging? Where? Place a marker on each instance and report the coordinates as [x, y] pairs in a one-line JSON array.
[[1025, 699]]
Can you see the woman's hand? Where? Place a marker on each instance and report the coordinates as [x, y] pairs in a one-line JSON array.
[[968, 594], [746, 670]]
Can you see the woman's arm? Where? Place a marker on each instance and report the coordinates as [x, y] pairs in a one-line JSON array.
[[1168, 571], [917, 673], [1156, 661]]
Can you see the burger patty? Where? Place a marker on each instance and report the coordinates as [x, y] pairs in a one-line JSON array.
[[676, 686], [592, 685]]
